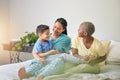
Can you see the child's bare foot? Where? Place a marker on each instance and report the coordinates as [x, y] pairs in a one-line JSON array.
[[39, 77], [22, 73]]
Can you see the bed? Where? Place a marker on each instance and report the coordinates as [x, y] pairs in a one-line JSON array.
[[111, 71]]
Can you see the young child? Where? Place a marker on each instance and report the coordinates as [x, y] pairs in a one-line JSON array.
[[43, 48]]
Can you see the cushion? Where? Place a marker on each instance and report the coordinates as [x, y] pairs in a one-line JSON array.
[[114, 53], [106, 45]]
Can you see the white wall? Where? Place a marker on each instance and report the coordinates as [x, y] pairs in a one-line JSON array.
[[25, 15], [4, 21]]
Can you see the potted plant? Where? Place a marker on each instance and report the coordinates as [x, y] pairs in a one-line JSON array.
[[26, 42]]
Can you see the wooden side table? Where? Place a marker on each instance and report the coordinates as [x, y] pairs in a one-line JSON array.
[[14, 55]]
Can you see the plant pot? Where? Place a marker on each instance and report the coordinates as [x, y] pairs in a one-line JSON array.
[[27, 49]]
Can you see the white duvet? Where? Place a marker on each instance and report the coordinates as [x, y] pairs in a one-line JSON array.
[[108, 72]]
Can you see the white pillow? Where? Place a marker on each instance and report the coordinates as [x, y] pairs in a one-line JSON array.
[[114, 53], [106, 45]]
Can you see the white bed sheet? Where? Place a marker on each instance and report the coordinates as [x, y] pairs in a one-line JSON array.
[[9, 72]]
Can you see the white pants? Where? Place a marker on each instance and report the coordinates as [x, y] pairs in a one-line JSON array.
[[55, 65], [71, 59], [66, 57]]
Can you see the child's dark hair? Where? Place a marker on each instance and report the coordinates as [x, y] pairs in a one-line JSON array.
[[41, 28], [64, 23]]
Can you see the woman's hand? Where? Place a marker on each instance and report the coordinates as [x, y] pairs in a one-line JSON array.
[[92, 57], [89, 58], [97, 60], [54, 51]]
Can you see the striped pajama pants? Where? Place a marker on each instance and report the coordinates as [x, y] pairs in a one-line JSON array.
[[55, 65]]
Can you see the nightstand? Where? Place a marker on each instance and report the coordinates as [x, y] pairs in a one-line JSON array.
[[14, 55]]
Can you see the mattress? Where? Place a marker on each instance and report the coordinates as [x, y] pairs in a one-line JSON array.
[[108, 72]]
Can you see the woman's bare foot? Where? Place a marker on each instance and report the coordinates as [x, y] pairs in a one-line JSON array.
[[39, 77], [22, 73]]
